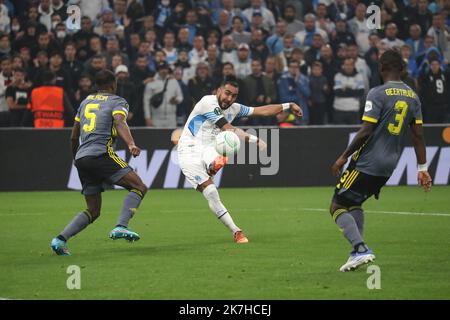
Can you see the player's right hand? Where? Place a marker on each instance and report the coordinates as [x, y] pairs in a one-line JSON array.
[[134, 150], [424, 180], [336, 167]]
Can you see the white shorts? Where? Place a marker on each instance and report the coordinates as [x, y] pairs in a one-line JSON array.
[[194, 161]]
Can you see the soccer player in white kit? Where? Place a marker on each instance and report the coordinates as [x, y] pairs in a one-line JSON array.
[[197, 156]]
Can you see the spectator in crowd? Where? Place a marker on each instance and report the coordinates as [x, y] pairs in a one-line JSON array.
[[71, 63], [422, 16], [202, 84], [17, 96], [238, 33], [45, 11], [85, 88], [198, 53], [441, 34], [258, 48], [348, 90], [183, 62], [223, 24], [183, 39], [323, 21], [257, 7], [285, 55], [97, 63], [415, 41], [294, 25], [126, 89], [214, 64], [320, 90], [242, 61], [293, 86], [6, 78], [195, 29], [92, 8], [340, 9], [313, 53], [434, 87], [358, 26], [228, 49], [60, 9], [165, 114], [260, 90], [169, 48], [305, 37], [271, 69], [391, 39], [410, 62], [5, 46], [275, 41], [184, 108], [360, 65], [341, 35]]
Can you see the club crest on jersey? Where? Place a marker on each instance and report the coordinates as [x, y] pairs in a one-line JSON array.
[[218, 111], [368, 106]]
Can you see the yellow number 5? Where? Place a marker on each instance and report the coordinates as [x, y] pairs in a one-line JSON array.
[[401, 107], [90, 114]]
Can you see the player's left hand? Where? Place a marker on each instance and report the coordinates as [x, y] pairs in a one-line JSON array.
[[134, 150], [424, 180], [336, 167], [296, 110]]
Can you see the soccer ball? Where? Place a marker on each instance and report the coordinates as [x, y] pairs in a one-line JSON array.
[[227, 143]]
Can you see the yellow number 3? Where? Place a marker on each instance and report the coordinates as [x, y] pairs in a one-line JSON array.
[[401, 107], [90, 114]]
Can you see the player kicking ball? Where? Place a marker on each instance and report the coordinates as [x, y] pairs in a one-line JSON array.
[[100, 118], [390, 110], [197, 156]]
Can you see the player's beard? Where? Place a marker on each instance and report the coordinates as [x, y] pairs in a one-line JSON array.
[[223, 105]]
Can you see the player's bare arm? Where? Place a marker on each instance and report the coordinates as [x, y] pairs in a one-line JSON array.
[[75, 138], [360, 138], [124, 132], [274, 109], [423, 177], [244, 135]]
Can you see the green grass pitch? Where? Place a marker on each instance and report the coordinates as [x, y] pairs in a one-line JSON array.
[[295, 249]]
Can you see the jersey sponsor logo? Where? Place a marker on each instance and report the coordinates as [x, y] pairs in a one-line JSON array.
[[368, 106], [218, 111]]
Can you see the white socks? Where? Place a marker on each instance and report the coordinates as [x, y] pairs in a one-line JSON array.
[[216, 206]]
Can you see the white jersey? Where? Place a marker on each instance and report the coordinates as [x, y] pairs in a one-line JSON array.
[[200, 128]]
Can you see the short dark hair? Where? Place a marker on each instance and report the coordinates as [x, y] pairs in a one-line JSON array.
[[104, 79], [231, 80], [391, 60]]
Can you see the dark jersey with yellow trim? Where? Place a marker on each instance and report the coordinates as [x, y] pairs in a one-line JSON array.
[[97, 131], [393, 106]]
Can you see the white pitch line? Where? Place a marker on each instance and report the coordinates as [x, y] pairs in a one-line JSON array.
[[439, 214]]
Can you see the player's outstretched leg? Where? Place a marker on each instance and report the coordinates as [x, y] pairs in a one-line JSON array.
[[361, 254], [211, 194], [81, 221], [134, 184]]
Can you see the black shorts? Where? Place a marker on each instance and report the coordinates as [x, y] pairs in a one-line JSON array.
[[355, 187], [96, 171]]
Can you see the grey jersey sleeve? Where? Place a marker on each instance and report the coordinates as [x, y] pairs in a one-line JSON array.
[[418, 112], [373, 106], [120, 106]]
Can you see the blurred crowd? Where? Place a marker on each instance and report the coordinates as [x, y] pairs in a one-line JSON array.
[[321, 54]]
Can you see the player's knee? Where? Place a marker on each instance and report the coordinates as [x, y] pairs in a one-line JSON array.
[[94, 213]]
